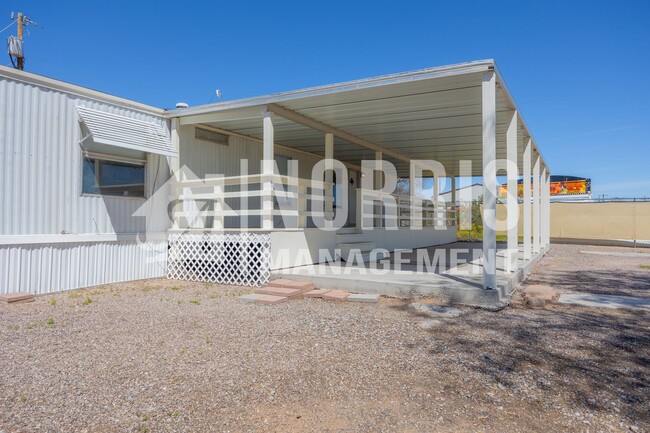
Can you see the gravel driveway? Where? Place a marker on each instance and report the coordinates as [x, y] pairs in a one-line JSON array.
[[169, 356], [568, 270]]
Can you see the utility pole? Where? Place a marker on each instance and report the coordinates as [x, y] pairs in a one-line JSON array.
[[15, 43], [20, 58]]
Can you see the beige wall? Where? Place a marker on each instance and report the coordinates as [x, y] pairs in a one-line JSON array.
[[600, 221]]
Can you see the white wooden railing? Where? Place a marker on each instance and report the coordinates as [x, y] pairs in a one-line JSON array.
[[402, 211], [250, 202], [276, 202]]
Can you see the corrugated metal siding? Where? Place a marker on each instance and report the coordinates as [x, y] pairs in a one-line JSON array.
[[40, 193], [47, 268], [204, 158], [41, 166]]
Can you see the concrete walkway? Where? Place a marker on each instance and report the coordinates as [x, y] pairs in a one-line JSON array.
[[616, 254], [605, 301], [462, 284]]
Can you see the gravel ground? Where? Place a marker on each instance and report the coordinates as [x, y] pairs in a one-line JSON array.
[[169, 356], [568, 270]]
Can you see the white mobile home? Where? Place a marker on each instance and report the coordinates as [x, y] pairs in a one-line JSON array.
[[99, 189]]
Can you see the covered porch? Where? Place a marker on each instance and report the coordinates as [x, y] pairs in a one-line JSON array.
[[316, 170]]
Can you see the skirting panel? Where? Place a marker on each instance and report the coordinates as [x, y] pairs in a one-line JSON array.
[[241, 259], [47, 268]]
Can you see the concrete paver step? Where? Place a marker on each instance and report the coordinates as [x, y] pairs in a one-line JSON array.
[[286, 283], [336, 295], [280, 291], [541, 292], [316, 293], [16, 297], [271, 299], [259, 298], [362, 297]]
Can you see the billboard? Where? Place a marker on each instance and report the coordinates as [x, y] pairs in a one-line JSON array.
[[560, 186]]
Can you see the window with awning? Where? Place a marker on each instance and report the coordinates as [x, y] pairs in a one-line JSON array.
[[111, 133]]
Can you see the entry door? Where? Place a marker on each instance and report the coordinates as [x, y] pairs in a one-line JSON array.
[[353, 180]]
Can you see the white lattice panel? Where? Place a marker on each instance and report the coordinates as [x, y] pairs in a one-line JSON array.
[[241, 259]]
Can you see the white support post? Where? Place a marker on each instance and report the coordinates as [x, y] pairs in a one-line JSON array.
[[453, 198], [542, 208], [268, 164], [547, 217], [513, 207], [526, 201], [414, 202], [174, 163], [378, 181], [546, 196], [489, 180], [329, 174], [536, 207], [434, 198]]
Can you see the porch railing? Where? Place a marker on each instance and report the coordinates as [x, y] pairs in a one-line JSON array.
[[250, 202], [404, 210], [276, 202]]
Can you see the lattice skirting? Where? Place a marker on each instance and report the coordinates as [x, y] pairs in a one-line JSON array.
[[241, 259]]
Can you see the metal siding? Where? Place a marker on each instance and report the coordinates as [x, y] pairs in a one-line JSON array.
[[206, 158], [41, 160], [47, 268], [41, 194]]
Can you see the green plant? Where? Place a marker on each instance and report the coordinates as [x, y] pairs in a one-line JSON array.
[[50, 321], [87, 301], [195, 302], [175, 288], [53, 301], [646, 267]]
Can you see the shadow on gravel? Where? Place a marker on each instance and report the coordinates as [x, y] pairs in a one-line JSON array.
[[601, 282], [585, 357]]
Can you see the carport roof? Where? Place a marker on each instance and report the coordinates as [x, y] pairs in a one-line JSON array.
[[432, 113]]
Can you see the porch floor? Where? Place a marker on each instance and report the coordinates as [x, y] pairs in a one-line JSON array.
[[460, 285]]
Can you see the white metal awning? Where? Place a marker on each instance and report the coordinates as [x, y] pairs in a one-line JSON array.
[[127, 133], [430, 114]]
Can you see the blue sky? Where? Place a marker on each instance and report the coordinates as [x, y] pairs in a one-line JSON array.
[[578, 69]]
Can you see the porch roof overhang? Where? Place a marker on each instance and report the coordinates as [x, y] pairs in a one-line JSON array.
[[430, 114]]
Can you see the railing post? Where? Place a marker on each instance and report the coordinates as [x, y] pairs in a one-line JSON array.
[[415, 203], [378, 178], [219, 204], [302, 206], [359, 209]]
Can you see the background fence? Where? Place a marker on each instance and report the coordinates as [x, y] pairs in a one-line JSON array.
[[628, 220]]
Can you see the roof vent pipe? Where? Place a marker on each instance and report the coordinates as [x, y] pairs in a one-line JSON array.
[[181, 105]]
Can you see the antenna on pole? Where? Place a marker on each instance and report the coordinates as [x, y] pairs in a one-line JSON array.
[[15, 43]]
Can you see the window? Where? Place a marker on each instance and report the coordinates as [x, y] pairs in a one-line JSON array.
[[112, 177], [212, 136]]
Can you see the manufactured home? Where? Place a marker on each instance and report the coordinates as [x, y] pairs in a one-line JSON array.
[[99, 189]]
